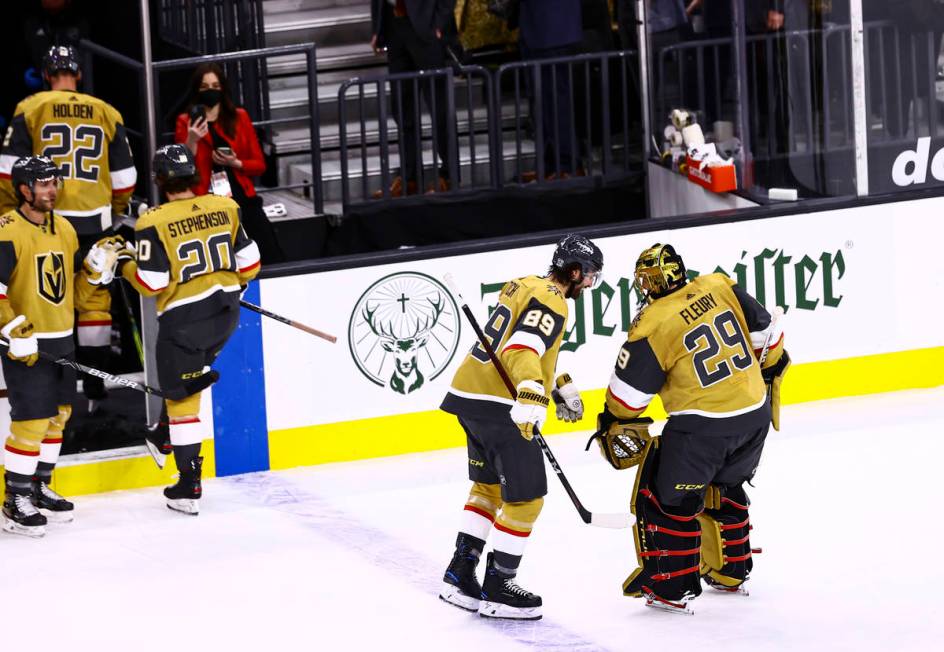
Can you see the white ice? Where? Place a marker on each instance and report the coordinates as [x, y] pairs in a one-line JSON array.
[[350, 556]]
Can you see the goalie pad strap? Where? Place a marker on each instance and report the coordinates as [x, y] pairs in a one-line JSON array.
[[670, 553], [676, 533], [661, 577], [655, 501]]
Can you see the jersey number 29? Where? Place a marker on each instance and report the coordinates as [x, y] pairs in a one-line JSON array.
[[703, 340]]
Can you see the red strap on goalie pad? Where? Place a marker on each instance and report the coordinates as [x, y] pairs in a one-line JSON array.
[[674, 533], [734, 526], [681, 519], [670, 553], [660, 577]]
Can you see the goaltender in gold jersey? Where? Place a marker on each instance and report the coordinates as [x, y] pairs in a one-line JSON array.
[[506, 466], [715, 356], [195, 257]]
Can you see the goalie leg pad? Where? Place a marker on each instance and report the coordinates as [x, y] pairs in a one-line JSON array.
[[667, 543], [726, 557]]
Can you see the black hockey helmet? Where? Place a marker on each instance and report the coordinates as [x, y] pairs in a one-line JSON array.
[[30, 169], [173, 162], [61, 58], [574, 248]]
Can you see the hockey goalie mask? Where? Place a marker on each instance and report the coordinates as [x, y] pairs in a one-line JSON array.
[[659, 271]]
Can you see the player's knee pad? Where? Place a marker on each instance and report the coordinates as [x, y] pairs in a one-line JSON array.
[[480, 510], [27, 435], [667, 540], [514, 524], [485, 498], [94, 326], [57, 424], [726, 546]]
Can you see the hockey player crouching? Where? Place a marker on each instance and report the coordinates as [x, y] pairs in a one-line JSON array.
[[699, 345], [195, 256], [42, 283], [506, 465]]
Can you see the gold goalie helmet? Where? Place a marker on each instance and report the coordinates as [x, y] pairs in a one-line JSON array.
[[659, 271]]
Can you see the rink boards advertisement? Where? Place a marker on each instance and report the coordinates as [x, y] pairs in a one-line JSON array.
[[855, 286], [859, 287]]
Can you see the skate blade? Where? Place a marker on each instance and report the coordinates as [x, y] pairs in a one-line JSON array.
[[34, 531], [184, 505], [671, 607], [156, 454], [734, 590], [498, 610], [457, 598], [57, 517]]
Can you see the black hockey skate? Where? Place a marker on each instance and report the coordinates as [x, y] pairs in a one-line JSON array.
[[20, 516], [157, 440], [460, 586], [56, 508], [184, 496], [503, 598], [679, 606], [740, 589]]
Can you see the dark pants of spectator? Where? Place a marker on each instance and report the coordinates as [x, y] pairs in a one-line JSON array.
[[259, 228], [407, 52], [557, 116]]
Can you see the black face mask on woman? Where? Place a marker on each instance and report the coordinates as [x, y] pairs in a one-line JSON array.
[[210, 97]]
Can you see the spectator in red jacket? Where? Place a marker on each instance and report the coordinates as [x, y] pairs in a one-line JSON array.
[[227, 153]]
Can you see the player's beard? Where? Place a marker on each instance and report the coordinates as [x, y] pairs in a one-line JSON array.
[[44, 203]]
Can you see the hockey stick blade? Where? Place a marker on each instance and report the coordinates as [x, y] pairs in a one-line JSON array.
[[612, 521]]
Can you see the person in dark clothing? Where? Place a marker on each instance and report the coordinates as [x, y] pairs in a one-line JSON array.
[[412, 33], [550, 29]]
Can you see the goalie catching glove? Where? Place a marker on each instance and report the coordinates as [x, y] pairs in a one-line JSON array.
[[530, 408], [22, 341], [622, 441], [567, 398]]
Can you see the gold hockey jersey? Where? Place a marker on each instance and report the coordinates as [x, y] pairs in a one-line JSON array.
[[188, 252], [698, 349], [525, 329], [86, 138], [38, 278]]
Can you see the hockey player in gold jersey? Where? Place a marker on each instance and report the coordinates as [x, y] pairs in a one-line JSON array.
[[195, 257], [42, 283], [505, 463], [85, 137], [699, 345]]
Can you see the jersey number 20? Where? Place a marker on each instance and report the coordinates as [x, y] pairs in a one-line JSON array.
[[199, 257], [703, 340]]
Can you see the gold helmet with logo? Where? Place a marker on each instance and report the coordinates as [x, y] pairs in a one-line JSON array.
[[659, 271]]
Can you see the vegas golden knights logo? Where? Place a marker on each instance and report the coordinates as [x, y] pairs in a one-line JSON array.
[[51, 276]]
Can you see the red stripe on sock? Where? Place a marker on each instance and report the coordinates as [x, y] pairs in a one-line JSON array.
[[184, 420], [480, 512], [21, 452], [508, 530], [52, 440]]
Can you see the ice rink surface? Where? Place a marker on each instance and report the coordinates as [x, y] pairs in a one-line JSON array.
[[350, 556]]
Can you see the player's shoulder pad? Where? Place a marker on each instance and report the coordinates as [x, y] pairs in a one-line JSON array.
[[545, 292], [150, 217], [30, 102]]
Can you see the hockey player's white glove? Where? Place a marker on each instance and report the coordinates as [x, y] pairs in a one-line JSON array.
[[101, 261], [530, 408], [23, 344], [567, 398]]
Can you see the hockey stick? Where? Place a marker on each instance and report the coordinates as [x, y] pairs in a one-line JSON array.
[[616, 521], [135, 334], [774, 318], [196, 385], [290, 322], [118, 380]]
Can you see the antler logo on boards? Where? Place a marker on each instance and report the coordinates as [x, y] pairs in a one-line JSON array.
[[404, 331]]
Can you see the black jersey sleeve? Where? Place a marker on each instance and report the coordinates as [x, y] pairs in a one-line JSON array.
[[755, 314], [537, 328], [153, 264], [7, 265]]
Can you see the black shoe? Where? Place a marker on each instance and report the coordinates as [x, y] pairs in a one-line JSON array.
[[157, 440], [21, 516], [460, 586], [55, 507], [183, 496], [503, 598]]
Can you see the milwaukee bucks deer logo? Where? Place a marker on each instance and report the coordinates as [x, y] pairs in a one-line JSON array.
[[404, 331]]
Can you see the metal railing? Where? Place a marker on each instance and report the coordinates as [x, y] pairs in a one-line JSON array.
[[217, 26], [581, 117], [577, 129], [406, 93], [799, 87]]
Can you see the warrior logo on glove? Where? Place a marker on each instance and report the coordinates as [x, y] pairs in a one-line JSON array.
[[50, 276]]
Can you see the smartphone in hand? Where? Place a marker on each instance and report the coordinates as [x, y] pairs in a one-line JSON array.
[[225, 151], [197, 113]]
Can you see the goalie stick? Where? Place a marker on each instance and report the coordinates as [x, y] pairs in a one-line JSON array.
[[286, 320], [616, 521]]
